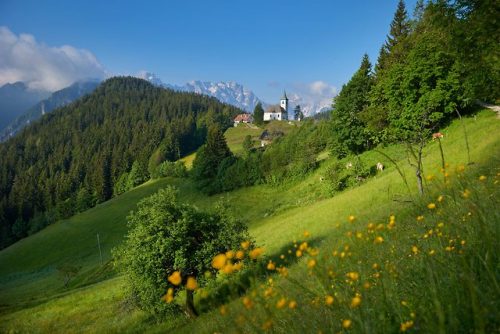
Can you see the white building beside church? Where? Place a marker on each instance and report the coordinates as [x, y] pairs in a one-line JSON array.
[[277, 112]]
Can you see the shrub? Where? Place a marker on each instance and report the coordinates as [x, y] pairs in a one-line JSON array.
[[169, 239]]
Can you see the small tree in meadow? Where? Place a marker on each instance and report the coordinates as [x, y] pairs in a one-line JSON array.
[[169, 248]]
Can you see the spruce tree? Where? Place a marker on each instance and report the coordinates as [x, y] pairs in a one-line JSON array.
[[298, 115], [210, 157], [348, 128], [258, 114]]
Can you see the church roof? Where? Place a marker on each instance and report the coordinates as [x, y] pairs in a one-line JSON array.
[[275, 108], [284, 97]]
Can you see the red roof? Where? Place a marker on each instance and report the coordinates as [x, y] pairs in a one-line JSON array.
[[243, 118]]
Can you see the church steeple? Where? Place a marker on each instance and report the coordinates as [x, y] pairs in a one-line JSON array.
[[284, 102]]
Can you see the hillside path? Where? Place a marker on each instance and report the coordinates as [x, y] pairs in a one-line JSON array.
[[492, 107]]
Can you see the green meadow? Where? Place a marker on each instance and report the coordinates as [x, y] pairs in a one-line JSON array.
[[33, 297]]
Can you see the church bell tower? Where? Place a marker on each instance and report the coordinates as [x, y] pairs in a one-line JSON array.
[[284, 102]]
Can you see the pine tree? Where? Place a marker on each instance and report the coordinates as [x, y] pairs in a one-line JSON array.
[[210, 157], [348, 128], [258, 114], [298, 115]]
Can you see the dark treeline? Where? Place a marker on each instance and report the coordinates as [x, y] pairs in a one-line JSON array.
[[101, 145]]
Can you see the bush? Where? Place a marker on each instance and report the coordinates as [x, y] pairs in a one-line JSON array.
[[167, 237], [169, 168]]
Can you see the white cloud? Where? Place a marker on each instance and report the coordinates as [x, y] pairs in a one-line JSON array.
[[22, 58], [313, 97]]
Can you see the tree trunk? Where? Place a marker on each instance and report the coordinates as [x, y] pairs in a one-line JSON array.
[[190, 310], [418, 173]]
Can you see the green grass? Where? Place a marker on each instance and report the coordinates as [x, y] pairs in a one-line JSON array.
[[29, 284], [235, 136]]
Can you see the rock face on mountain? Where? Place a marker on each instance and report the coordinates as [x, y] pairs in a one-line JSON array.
[[237, 95], [57, 99], [15, 99]]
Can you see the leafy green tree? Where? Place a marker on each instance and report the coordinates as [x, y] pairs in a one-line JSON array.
[[121, 185], [138, 175], [258, 114], [347, 126], [247, 143], [84, 200], [166, 237], [425, 90], [297, 112]]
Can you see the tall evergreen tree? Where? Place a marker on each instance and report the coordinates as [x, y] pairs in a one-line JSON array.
[[298, 115], [348, 128], [210, 157], [258, 114]]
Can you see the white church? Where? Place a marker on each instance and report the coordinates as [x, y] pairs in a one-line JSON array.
[[277, 111]]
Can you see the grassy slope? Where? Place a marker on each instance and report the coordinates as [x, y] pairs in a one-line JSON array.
[[274, 221]]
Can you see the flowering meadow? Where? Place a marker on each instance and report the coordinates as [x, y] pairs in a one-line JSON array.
[[431, 268]]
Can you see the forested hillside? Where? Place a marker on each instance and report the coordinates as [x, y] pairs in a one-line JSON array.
[[72, 158]]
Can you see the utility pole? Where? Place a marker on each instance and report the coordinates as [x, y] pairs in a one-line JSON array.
[[99, 245]]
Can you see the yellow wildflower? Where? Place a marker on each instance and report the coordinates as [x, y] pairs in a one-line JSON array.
[[346, 323], [420, 218], [191, 283], [431, 206], [281, 303], [307, 234], [247, 302], [432, 252], [430, 177], [175, 278], [271, 265], [466, 193], [313, 251], [353, 276], [245, 244], [303, 246], [329, 300], [223, 310], [268, 292], [482, 178], [292, 305], [311, 263], [379, 240], [356, 301], [351, 219], [298, 253], [229, 254], [440, 198], [228, 268], [240, 255], [375, 266], [255, 253], [219, 261], [414, 249], [359, 235], [169, 296], [406, 325], [237, 266]]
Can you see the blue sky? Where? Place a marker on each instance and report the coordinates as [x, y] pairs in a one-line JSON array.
[[265, 45]]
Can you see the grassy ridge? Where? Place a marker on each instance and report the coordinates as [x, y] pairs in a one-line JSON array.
[[275, 216]]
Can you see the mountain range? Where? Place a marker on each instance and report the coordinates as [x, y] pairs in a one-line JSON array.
[[19, 105], [236, 94], [16, 98], [35, 107]]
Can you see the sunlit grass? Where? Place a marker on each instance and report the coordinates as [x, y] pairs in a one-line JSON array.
[[276, 216]]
